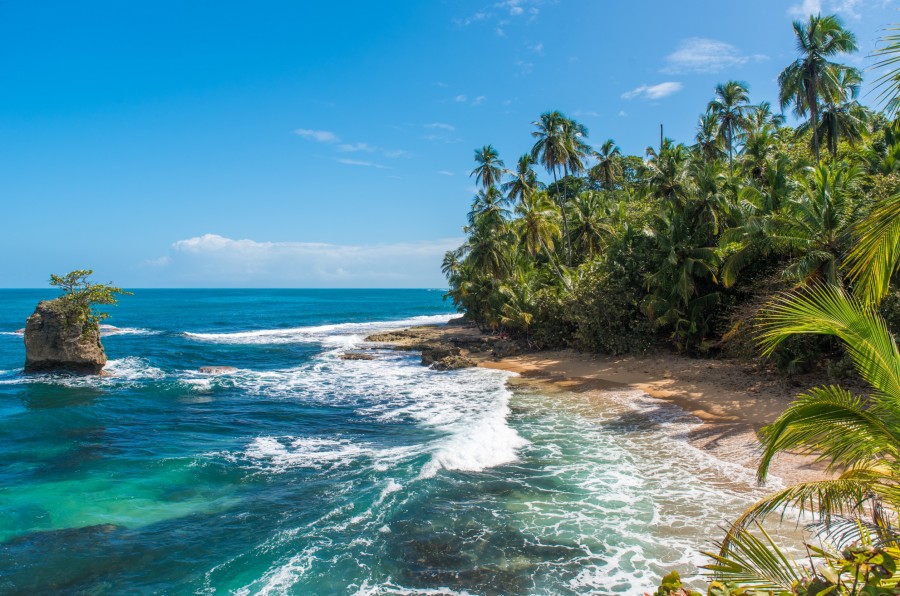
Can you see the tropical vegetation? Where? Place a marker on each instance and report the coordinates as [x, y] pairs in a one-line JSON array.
[[788, 235]]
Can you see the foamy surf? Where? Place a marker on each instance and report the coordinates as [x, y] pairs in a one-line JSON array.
[[315, 333]]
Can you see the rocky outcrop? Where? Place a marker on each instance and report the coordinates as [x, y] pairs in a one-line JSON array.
[[504, 348], [356, 356], [54, 342], [453, 362], [435, 352]]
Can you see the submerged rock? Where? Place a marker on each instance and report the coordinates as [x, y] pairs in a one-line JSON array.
[[453, 362], [356, 356], [54, 342], [217, 370]]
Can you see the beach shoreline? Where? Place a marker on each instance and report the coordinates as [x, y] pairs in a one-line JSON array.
[[731, 399]]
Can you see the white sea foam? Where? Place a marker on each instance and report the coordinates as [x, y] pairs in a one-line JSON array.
[[105, 331], [313, 334], [117, 372], [109, 330]]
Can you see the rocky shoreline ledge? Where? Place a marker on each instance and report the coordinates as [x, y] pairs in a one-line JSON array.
[[451, 347]]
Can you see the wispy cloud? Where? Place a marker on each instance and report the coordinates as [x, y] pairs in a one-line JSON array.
[[441, 126], [524, 67], [654, 91], [504, 9], [446, 173], [211, 260], [320, 136], [702, 55], [583, 113], [537, 48], [325, 136], [354, 147], [805, 8], [478, 100], [357, 162], [460, 98]]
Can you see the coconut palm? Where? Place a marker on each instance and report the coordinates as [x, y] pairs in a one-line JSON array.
[[816, 226], [608, 169], [489, 209], [667, 176], [812, 75], [731, 108], [524, 180], [592, 215], [875, 255], [538, 228], [709, 143], [842, 117], [552, 150], [489, 170]]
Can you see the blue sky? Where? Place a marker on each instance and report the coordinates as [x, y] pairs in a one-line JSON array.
[[306, 144]]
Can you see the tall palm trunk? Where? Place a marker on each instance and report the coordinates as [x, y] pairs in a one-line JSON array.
[[813, 99], [562, 207], [556, 268], [565, 219]]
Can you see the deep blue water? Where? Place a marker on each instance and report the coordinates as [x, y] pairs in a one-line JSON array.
[[304, 473]]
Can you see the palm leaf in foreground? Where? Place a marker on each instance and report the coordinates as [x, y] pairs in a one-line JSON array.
[[876, 255]]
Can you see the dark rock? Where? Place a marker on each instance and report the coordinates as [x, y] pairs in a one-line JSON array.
[[217, 370], [356, 356], [433, 353], [453, 362], [459, 321], [54, 342], [504, 348]]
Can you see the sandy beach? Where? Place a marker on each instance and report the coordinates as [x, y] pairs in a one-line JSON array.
[[733, 399]]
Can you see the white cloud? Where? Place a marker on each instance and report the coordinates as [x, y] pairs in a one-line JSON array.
[[394, 153], [460, 99], [623, 114], [357, 162], [479, 100], [702, 55], [441, 125], [211, 260], [537, 48], [805, 8], [654, 91], [321, 136], [446, 173], [354, 147], [583, 113]]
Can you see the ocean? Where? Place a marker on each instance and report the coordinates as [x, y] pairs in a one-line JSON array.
[[303, 473]]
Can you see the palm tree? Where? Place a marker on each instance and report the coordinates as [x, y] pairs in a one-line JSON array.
[[591, 216], [551, 150], [538, 228], [858, 437], [667, 177], [709, 142], [842, 116], [730, 109], [524, 180], [608, 169], [875, 255], [816, 226], [489, 209], [812, 76], [490, 167]]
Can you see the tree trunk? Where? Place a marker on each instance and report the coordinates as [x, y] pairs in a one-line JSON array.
[[813, 99]]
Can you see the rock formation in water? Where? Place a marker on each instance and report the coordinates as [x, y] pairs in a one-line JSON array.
[[58, 341]]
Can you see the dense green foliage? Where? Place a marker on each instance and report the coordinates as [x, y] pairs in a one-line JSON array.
[[616, 253], [81, 297], [805, 221]]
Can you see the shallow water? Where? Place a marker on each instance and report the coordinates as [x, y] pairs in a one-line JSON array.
[[304, 473]]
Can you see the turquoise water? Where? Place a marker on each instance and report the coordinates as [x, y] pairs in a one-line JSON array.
[[306, 474]]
